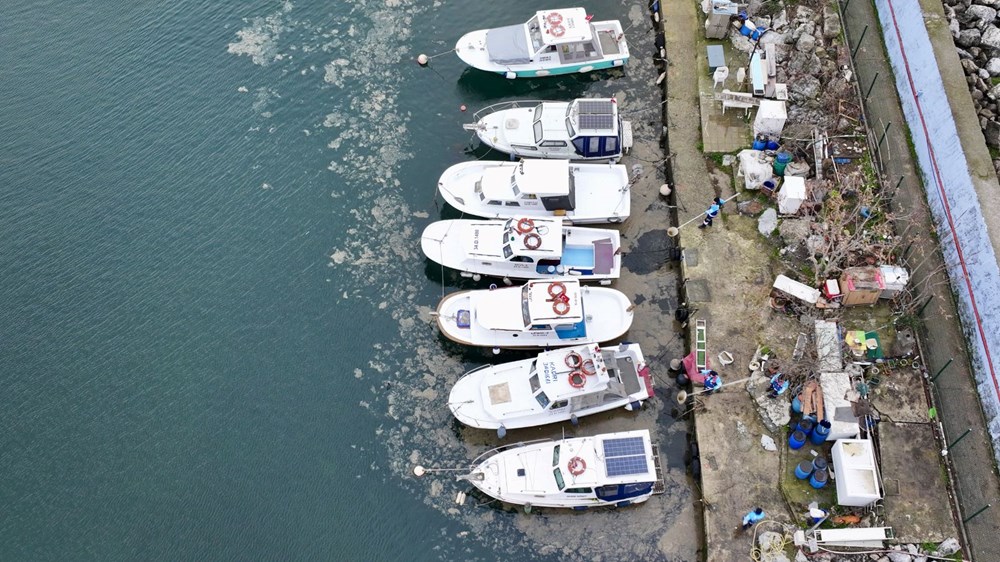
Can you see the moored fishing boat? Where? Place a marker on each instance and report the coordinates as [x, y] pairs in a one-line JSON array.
[[612, 469], [524, 248], [553, 387], [540, 313], [579, 193], [583, 129], [552, 42]]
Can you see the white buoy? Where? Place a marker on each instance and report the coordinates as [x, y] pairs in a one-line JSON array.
[[659, 80], [477, 277], [460, 498], [665, 190], [672, 231], [419, 471], [496, 351], [422, 59]]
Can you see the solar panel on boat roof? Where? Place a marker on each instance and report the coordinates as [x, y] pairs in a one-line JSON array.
[[596, 106], [597, 121], [596, 114], [624, 456]]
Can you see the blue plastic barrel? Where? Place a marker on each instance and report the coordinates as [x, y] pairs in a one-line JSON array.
[[803, 470], [796, 403], [756, 33], [819, 463], [820, 432], [759, 144], [818, 479], [772, 145], [780, 162], [805, 425], [797, 439], [745, 30]]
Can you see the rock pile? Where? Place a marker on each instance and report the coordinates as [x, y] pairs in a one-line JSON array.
[[975, 26]]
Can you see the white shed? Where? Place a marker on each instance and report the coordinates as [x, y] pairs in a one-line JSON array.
[[770, 119], [857, 473], [792, 195]]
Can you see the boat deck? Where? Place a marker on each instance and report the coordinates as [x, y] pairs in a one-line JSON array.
[[608, 44]]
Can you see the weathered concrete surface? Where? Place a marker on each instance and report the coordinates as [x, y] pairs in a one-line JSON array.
[[916, 502]]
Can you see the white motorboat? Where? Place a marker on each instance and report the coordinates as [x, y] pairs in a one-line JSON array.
[[579, 193], [552, 42], [541, 313], [612, 469], [554, 387], [584, 129], [524, 248]]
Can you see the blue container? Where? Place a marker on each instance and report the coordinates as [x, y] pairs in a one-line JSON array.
[[769, 186], [759, 144], [797, 439], [772, 145], [756, 33], [818, 479], [745, 30], [796, 403], [805, 426], [780, 162], [820, 432], [803, 470], [819, 463]]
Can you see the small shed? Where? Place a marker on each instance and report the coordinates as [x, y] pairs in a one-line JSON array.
[[861, 285], [792, 195], [857, 473], [770, 119]]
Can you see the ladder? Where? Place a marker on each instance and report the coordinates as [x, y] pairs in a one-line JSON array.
[[700, 345]]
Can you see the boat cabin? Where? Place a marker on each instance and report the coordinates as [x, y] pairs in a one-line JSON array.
[[550, 37], [538, 306], [511, 241], [548, 183]]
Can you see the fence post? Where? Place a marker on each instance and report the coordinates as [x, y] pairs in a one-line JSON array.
[[941, 370], [869, 92], [960, 437], [981, 509], [884, 132], [858, 46]]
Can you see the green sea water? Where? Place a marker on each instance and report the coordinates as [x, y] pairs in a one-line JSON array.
[[215, 340]]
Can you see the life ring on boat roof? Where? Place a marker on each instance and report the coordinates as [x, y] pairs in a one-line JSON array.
[[525, 226], [577, 379], [532, 241], [576, 466], [554, 18], [588, 368], [574, 360], [557, 31], [561, 308], [557, 289]]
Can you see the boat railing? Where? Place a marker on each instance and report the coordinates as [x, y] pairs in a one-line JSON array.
[[500, 106], [496, 450]]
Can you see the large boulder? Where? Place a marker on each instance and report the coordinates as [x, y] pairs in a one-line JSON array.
[[805, 89], [968, 38], [991, 37], [806, 43], [993, 67], [981, 15], [831, 23], [992, 133]]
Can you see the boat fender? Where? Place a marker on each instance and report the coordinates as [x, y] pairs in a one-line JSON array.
[[577, 379], [576, 466], [532, 241], [525, 226], [510, 76]]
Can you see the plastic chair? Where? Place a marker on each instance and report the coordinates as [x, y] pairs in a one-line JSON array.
[[720, 76]]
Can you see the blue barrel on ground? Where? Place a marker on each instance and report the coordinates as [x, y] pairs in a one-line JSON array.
[[820, 432], [756, 33], [759, 144], [780, 162], [745, 30], [803, 470], [819, 463], [818, 479], [805, 425], [797, 439], [772, 145], [796, 403]]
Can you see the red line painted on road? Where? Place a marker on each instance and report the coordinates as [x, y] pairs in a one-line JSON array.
[[944, 200]]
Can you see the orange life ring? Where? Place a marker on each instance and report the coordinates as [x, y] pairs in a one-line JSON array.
[[577, 379], [591, 370], [532, 241], [557, 289], [525, 226], [557, 31], [554, 18], [574, 360], [560, 307], [576, 466]]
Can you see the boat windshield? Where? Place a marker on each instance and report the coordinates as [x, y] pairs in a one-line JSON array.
[[537, 127], [536, 33], [569, 122], [525, 301], [555, 455], [543, 399], [557, 473], [533, 382]]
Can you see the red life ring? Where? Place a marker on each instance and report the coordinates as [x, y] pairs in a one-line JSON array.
[[554, 18], [525, 226], [577, 379], [588, 367], [560, 307], [557, 31], [573, 360], [576, 466], [532, 241], [557, 289]]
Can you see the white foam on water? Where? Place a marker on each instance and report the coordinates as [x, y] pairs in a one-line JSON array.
[[259, 39]]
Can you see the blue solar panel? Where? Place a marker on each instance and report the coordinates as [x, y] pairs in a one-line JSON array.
[[625, 456], [624, 446]]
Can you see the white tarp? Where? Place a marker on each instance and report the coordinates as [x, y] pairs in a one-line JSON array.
[[965, 242]]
